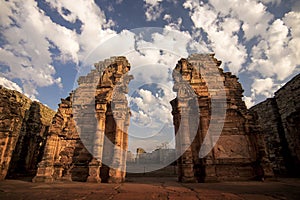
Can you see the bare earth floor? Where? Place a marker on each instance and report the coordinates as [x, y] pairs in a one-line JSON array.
[[141, 188]]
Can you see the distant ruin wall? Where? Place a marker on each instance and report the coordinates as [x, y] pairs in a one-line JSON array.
[[23, 131], [279, 119]]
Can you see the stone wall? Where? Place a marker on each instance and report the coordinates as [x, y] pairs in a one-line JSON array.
[[239, 151], [279, 118], [65, 157], [23, 130], [76, 147], [87, 139]]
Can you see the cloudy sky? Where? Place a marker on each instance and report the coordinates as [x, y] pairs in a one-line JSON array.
[[43, 45]]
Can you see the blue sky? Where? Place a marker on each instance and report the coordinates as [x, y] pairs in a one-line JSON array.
[[44, 43]]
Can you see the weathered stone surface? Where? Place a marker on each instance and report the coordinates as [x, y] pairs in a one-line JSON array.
[[279, 118], [23, 129], [65, 157], [239, 152], [103, 111], [88, 140], [76, 148]]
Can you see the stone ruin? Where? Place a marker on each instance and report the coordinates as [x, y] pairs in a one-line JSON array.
[[24, 128], [279, 119], [76, 144], [88, 137], [239, 151]]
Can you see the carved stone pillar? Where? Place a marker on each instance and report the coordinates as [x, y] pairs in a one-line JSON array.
[[125, 144], [94, 171], [95, 164], [121, 116], [208, 173], [115, 173], [182, 110], [186, 161]]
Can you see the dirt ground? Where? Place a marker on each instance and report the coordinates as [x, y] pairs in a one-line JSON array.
[[141, 188]]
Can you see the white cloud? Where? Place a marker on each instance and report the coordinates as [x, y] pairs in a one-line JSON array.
[[248, 101], [167, 17], [29, 35], [292, 21], [270, 55], [140, 118], [5, 13], [152, 109], [231, 25], [265, 87], [165, 47], [10, 85], [95, 26], [221, 34], [26, 51], [277, 54], [255, 20], [153, 9], [173, 24]]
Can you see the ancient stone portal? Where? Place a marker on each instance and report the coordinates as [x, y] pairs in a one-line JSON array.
[[240, 151], [88, 136]]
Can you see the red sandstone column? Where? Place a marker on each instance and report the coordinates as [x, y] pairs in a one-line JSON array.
[[125, 145], [95, 164], [186, 158], [115, 172]]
